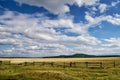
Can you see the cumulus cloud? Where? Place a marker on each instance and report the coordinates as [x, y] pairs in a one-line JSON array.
[[58, 6], [86, 2], [35, 34], [114, 20], [7, 41], [58, 23], [89, 18], [102, 7], [95, 20], [113, 42], [115, 3], [54, 6]]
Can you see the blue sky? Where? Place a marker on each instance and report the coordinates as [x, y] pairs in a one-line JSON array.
[[37, 28]]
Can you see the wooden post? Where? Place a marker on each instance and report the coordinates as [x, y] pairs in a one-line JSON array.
[[86, 64], [9, 62], [114, 65], [101, 65], [25, 63], [0, 62], [64, 65], [5, 62], [52, 64], [33, 63], [70, 64]]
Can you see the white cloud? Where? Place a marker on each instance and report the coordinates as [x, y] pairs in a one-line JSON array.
[[113, 41], [117, 15], [114, 20], [86, 2], [7, 41], [115, 3], [58, 23], [31, 36], [54, 6], [102, 8], [35, 35], [89, 18], [58, 6], [94, 8]]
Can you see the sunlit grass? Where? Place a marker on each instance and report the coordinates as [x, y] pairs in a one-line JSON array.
[[58, 72]]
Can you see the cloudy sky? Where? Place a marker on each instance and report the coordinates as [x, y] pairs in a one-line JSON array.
[[37, 28]]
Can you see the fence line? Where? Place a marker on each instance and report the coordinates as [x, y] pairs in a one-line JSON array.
[[68, 64], [5, 62]]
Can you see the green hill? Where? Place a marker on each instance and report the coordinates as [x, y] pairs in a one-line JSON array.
[[78, 55], [81, 55]]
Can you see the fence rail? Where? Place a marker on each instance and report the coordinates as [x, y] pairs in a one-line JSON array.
[[100, 64], [5, 62]]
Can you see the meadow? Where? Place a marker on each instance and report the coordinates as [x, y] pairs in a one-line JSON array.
[[60, 68]]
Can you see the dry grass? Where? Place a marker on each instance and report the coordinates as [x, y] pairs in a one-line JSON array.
[[20, 60], [58, 71]]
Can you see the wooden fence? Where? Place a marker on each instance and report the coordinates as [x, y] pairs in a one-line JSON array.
[[94, 64], [5, 62], [69, 64]]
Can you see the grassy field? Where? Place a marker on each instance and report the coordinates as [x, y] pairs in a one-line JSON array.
[[43, 69]]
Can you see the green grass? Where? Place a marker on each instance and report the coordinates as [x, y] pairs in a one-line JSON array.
[[57, 72]]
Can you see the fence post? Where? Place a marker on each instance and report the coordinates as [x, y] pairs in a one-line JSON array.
[[101, 65], [114, 65], [64, 65], [86, 64], [9, 62], [0, 62], [33, 63], [52, 64], [25, 63], [70, 64]]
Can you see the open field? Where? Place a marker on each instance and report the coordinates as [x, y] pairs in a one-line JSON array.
[[60, 69], [19, 60]]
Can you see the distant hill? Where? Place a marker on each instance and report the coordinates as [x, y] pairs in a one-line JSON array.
[[77, 55], [81, 55]]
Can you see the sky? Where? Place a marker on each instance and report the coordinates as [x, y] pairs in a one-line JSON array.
[[38, 28]]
